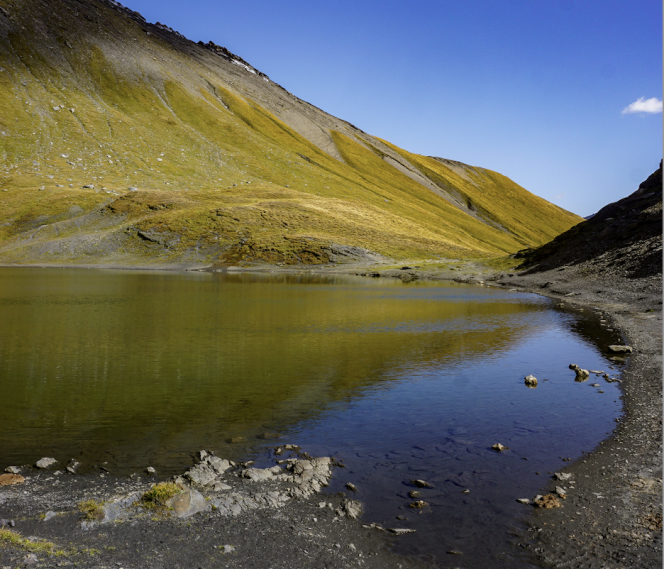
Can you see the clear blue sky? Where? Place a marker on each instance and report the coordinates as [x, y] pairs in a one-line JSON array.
[[534, 89]]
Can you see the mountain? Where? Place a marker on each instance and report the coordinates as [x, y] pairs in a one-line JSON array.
[[123, 142], [623, 239]]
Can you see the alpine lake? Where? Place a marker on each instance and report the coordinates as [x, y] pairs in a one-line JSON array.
[[399, 381]]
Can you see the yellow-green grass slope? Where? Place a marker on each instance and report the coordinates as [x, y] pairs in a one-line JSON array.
[[94, 96]]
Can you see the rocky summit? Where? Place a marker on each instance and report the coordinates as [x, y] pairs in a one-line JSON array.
[[124, 143]]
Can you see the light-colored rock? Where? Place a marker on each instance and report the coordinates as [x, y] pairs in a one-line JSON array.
[[530, 381], [421, 483], [525, 501], [401, 531], [620, 349], [595, 385], [150, 470], [73, 466], [187, 504], [13, 470], [351, 509], [46, 462], [562, 476], [418, 504], [560, 491], [351, 486], [499, 448], [49, 515]]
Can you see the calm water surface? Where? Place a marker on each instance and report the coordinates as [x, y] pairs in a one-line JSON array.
[[399, 381]]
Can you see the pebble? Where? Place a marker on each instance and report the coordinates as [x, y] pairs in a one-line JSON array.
[[499, 448], [421, 483]]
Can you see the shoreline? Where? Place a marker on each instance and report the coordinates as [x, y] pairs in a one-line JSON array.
[[612, 518]]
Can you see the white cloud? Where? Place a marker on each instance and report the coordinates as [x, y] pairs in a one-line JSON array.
[[643, 105]]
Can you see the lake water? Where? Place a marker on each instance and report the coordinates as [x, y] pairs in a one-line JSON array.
[[399, 381]]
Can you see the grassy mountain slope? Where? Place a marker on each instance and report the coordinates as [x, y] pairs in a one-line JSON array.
[[227, 166]]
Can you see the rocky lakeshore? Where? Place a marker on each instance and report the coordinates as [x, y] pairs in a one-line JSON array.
[[217, 514]]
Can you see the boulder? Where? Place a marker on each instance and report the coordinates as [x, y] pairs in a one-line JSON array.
[[187, 504]]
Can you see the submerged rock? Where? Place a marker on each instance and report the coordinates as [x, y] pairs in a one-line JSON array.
[[499, 448], [421, 483]]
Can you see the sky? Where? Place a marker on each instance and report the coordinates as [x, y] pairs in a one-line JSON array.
[[562, 96]]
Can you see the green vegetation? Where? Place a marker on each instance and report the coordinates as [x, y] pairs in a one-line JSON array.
[[92, 510], [15, 539], [159, 494]]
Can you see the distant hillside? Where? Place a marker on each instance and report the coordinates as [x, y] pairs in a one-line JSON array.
[[623, 238], [123, 142]]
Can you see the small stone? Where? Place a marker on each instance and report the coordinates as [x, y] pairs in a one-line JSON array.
[[466, 491], [595, 385], [49, 515], [351, 486], [620, 349], [227, 549], [150, 470], [418, 504], [13, 470], [454, 552], [400, 531], [562, 476], [46, 462], [525, 501], [89, 186], [414, 494], [421, 483], [499, 448], [11, 479], [530, 381], [560, 491], [132, 189]]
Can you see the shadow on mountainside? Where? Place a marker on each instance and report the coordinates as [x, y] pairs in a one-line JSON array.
[[623, 239]]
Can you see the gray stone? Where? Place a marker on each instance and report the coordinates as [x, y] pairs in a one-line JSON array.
[[187, 504], [581, 374], [351, 486], [525, 501], [150, 470], [499, 448], [46, 462], [13, 470], [73, 466], [594, 385], [562, 476], [560, 491], [620, 349], [421, 483], [349, 508], [401, 531], [49, 515], [89, 186]]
